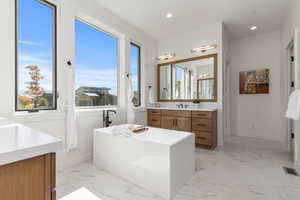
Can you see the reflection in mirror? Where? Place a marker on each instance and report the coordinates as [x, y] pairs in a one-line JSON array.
[[189, 79], [165, 83], [204, 79], [182, 83], [205, 88]]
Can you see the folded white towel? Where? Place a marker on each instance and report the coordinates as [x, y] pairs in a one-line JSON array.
[[122, 131], [293, 110]]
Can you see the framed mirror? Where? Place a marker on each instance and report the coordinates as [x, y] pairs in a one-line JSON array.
[[189, 79]]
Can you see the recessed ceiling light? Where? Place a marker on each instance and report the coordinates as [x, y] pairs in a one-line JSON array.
[[253, 28], [169, 15]]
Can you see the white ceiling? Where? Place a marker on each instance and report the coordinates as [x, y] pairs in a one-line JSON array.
[[238, 15]]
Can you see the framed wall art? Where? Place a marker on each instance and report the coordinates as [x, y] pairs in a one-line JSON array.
[[254, 82]]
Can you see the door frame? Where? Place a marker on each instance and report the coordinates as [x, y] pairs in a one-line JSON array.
[[227, 102], [293, 43]]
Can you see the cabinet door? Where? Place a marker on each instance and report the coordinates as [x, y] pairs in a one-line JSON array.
[[30, 179], [183, 124], [167, 122]]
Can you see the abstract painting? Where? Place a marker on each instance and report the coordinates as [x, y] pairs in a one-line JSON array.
[[254, 82]]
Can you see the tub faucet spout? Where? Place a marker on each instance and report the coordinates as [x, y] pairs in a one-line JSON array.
[[106, 119]]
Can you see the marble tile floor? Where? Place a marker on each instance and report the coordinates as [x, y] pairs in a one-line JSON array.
[[244, 169]]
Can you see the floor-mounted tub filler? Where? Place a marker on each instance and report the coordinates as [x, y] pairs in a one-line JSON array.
[[159, 160]]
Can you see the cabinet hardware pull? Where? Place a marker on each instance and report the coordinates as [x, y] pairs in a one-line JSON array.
[[154, 120], [201, 114], [201, 124], [202, 138]]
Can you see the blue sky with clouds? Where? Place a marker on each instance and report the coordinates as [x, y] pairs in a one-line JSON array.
[[96, 57], [134, 53], [35, 41], [96, 52]]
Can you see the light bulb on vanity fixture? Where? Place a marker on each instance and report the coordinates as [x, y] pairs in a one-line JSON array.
[[204, 48], [166, 56], [253, 28], [169, 15]]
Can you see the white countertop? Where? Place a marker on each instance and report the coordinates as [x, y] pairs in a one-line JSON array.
[[188, 109], [157, 135], [18, 142]]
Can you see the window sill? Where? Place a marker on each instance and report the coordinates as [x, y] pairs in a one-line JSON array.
[[92, 112], [95, 109], [24, 117], [41, 112]]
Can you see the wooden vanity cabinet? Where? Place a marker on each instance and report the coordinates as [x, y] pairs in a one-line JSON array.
[[30, 179], [170, 119], [176, 120], [168, 122], [183, 124], [154, 118], [202, 123], [176, 123]]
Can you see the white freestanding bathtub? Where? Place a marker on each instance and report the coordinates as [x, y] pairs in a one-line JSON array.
[[159, 160]]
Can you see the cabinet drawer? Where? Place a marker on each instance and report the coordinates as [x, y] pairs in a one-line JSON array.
[[176, 113], [201, 124], [154, 121], [202, 115], [154, 112], [203, 138]]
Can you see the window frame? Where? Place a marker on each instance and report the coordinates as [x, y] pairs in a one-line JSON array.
[[100, 27], [54, 67], [139, 71]]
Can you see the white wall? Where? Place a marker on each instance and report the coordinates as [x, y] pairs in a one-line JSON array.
[[256, 115], [181, 45], [288, 32], [226, 85], [54, 122]]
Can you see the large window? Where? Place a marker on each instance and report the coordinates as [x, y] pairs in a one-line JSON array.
[[135, 72], [35, 55], [96, 66]]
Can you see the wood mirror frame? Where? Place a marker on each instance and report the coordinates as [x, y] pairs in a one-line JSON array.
[[215, 56]]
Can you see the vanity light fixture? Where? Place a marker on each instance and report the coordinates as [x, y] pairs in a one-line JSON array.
[[204, 48], [204, 75], [166, 56]]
